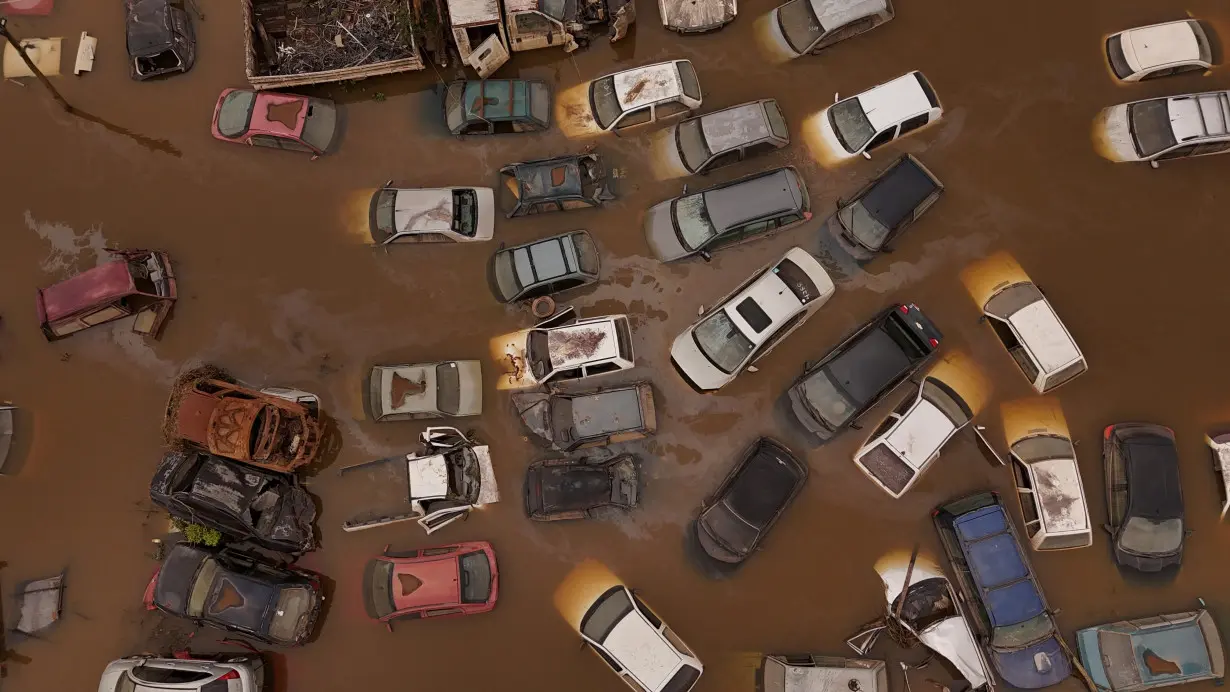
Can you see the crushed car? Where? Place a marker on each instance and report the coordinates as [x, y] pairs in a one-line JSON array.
[[572, 421], [447, 389], [451, 476], [425, 215], [275, 428], [448, 580], [187, 673], [138, 282], [497, 106], [561, 183], [697, 16], [563, 489], [563, 347], [160, 37], [267, 509]]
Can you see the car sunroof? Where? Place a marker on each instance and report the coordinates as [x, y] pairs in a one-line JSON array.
[[753, 315]]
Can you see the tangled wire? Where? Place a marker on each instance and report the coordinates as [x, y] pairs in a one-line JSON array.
[[335, 34]]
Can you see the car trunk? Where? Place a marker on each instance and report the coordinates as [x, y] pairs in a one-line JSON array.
[[292, 615]]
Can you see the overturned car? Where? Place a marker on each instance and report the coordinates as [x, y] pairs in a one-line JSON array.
[[589, 419], [160, 36]]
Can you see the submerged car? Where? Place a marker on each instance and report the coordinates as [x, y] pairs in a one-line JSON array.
[[561, 183], [1219, 444], [643, 95], [859, 124], [752, 207], [1011, 615], [191, 673], [1048, 485], [1040, 345], [569, 421], [749, 502], [560, 489], [1168, 127], [459, 579], [904, 446], [447, 389], [279, 121], [268, 509], [544, 267], [703, 143], [697, 16], [1159, 50], [868, 222], [867, 366], [7, 413], [750, 321], [160, 37], [234, 592], [497, 106], [563, 347], [274, 428], [1159, 651], [442, 215], [138, 282], [637, 645], [814, 673], [1144, 499], [802, 27]]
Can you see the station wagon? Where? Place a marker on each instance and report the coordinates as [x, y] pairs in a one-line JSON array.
[[1158, 651], [869, 221], [644, 95], [1026, 324], [544, 267], [497, 106], [138, 282], [572, 421], [278, 121], [1144, 498], [558, 184], [702, 143], [160, 38], [637, 645], [1159, 50], [563, 347], [1169, 127], [802, 27], [862, 123], [431, 215]]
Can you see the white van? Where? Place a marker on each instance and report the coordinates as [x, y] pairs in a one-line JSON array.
[[1028, 327]]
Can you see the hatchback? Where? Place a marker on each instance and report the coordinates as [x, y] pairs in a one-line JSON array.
[[194, 673], [571, 421], [416, 391], [497, 106], [563, 489], [706, 142], [644, 94], [1169, 127], [756, 206], [160, 38], [1143, 495], [1158, 651], [637, 645], [427, 215], [868, 222], [751, 320], [563, 347], [544, 267], [459, 579], [802, 27], [279, 121], [1048, 486], [1159, 50], [1040, 345], [861, 123]]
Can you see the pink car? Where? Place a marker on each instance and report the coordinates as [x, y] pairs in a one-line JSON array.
[[281, 121], [458, 579]]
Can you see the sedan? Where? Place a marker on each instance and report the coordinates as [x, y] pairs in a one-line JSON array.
[[751, 499], [221, 673], [278, 121], [1159, 50], [1158, 651], [459, 579], [1143, 496]]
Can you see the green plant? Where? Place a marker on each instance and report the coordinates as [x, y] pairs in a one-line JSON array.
[[379, 97], [197, 534]]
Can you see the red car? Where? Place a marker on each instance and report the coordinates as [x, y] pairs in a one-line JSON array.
[[459, 579], [281, 121]]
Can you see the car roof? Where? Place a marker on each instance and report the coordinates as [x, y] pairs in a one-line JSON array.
[[838, 13], [1152, 46], [496, 99], [763, 484], [414, 399], [753, 197], [278, 114], [1044, 335], [1199, 116], [642, 650], [549, 178], [898, 191], [430, 581], [582, 342], [96, 286], [997, 566], [473, 12], [892, 102], [1152, 466], [549, 258], [642, 86], [870, 363], [423, 210], [772, 296], [920, 433], [1060, 495], [1182, 643], [735, 126]]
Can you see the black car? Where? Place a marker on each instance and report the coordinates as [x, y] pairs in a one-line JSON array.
[[751, 499], [557, 184], [244, 503], [234, 592], [1143, 496], [868, 222], [544, 267], [558, 489], [864, 368], [160, 38]]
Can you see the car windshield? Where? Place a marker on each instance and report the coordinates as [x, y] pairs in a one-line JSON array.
[[692, 221], [1150, 125], [691, 142], [540, 102], [465, 212], [851, 125], [607, 612], [829, 403], [799, 25], [475, 577], [863, 225], [320, 124], [201, 586], [448, 388], [1118, 61], [683, 680], [538, 353], [1152, 536], [604, 102], [235, 113], [383, 229], [1022, 633], [505, 275], [722, 342]]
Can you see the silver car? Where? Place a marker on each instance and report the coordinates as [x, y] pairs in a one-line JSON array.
[[236, 673], [700, 144]]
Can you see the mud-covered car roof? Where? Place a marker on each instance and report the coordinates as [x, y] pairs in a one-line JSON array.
[[148, 26], [548, 178]]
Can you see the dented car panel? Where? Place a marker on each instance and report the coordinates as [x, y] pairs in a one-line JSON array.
[[160, 38], [556, 184], [139, 282], [600, 417]]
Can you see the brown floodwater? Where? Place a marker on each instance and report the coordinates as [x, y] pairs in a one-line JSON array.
[[277, 288]]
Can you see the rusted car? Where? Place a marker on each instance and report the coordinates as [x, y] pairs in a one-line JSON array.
[[139, 282], [557, 184], [274, 428]]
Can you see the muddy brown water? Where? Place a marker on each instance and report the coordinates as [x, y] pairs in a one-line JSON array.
[[275, 289]]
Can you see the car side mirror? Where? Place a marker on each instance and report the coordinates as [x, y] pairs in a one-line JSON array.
[[867, 156], [685, 188], [753, 368], [836, 97], [1153, 164], [387, 183], [855, 426], [700, 310], [705, 255], [807, 365]]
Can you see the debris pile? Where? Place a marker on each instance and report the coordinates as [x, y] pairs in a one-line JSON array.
[[306, 36]]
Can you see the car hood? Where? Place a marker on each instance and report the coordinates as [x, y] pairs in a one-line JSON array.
[[689, 358], [535, 411], [660, 233], [1021, 668], [1112, 136], [428, 477], [486, 213], [470, 380]]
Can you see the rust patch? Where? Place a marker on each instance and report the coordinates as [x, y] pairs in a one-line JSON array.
[[557, 175], [286, 113], [636, 89]]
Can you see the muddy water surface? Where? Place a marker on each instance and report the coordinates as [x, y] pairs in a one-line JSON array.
[[277, 288]]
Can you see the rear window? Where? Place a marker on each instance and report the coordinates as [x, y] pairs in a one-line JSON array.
[[682, 680], [926, 87], [687, 78], [167, 675], [587, 253], [797, 280], [754, 315], [475, 577], [885, 467], [777, 122], [1065, 374], [384, 205]]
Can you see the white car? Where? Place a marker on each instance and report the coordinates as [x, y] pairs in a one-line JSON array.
[[448, 389], [565, 348], [1048, 485], [858, 124], [1170, 127], [436, 215], [911, 437], [244, 673], [644, 95], [638, 646], [751, 320], [1026, 324], [802, 27], [1159, 50]]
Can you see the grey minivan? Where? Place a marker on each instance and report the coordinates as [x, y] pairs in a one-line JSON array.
[[543, 267], [751, 207], [698, 145], [868, 222]]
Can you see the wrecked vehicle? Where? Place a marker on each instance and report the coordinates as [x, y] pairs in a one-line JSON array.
[[160, 36], [568, 422], [544, 267], [557, 184], [277, 121], [427, 215], [1158, 651], [459, 579], [448, 389], [1144, 497], [561, 489], [6, 433], [815, 673], [270, 510], [139, 282], [449, 477], [234, 592], [697, 16], [274, 428], [185, 673], [563, 347], [802, 27], [497, 106]]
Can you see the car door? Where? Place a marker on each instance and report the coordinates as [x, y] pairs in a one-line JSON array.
[[985, 448], [489, 56], [1030, 514], [434, 521]]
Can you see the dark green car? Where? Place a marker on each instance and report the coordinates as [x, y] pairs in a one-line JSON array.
[[497, 106]]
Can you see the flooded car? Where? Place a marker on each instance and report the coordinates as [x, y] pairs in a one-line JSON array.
[[544, 267], [815, 673], [1048, 485], [1219, 445], [7, 414], [160, 37], [267, 509], [1151, 652], [563, 489], [1169, 127], [754, 495], [1144, 499], [572, 421], [442, 215], [1159, 50], [447, 389], [138, 282], [644, 95], [860, 124], [637, 645], [563, 348], [275, 120], [703, 143], [234, 592], [1012, 617], [697, 16], [562, 183], [1029, 328], [190, 673], [867, 222], [802, 27], [497, 106], [444, 581]]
